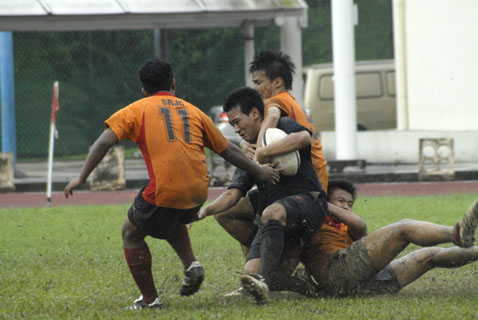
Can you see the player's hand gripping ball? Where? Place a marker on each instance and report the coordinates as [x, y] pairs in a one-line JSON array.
[[289, 162]]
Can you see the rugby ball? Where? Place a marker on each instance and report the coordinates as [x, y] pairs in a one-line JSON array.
[[290, 162]]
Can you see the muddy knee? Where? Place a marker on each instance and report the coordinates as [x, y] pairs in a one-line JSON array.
[[274, 212], [131, 235]]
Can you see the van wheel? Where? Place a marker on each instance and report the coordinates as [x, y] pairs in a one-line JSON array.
[[361, 127]]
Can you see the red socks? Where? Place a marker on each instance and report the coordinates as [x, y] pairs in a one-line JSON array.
[[139, 263]]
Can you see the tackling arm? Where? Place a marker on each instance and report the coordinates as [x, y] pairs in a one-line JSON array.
[[225, 201], [292, 142], [248, 148], [271, 118], [238, 158], [357, 226]]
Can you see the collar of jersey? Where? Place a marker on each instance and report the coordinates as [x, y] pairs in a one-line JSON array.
[[163, 93]]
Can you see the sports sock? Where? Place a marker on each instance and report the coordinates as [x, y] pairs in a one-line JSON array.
[[139, 263], [272, 245]]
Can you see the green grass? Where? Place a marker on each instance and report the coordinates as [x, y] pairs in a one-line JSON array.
[[68, 263]]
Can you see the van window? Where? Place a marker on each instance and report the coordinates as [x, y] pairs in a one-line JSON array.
[[367, 84], [326, 87], [390, 77]]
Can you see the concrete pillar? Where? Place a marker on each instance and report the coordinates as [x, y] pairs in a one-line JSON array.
[[400, 53], [161, 44], [344, 77], [291, 43], [249, 47]]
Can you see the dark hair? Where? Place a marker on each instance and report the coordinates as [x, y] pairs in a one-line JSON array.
[[246, 98], [275, 64], [341, 184], [156, 75]]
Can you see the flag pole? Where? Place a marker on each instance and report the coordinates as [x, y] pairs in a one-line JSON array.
[[54, 108]]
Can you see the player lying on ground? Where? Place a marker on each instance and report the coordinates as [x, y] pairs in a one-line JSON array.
[[171, 134], [292, 209], [345, 261]]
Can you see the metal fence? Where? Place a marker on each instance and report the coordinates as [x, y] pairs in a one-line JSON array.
[[98, 74], [98, 71]]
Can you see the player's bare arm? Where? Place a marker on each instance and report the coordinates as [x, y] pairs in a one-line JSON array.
[[97, 152], [225, 201], [234, 155], [271, 117], [248, 148], [357, 226], [292, 142]]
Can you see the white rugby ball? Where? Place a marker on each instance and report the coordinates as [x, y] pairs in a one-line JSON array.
[[290, 162]]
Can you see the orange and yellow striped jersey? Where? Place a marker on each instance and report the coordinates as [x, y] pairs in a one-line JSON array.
[[171, 134]]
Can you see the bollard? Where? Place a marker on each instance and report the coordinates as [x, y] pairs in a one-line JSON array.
[[110, 172], [7, 182]]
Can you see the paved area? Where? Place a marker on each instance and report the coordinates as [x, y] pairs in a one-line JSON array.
[[38, 199], [375, 180], [34, 174]]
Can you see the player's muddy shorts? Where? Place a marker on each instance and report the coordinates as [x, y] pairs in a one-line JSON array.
[[384, 282], [351, 272], [306, 213], [158, 222]]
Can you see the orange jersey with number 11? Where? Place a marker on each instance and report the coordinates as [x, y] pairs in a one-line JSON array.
[[171, 134]]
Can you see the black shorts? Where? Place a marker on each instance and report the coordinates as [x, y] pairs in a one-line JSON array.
[[158, 222], [253, 196], [305, 216]]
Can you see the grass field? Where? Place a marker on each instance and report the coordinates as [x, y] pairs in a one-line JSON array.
[[68, 263]]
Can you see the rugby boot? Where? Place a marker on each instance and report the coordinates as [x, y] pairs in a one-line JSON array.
[[193, 277], [257, 287], [466, 227], [140, 304]]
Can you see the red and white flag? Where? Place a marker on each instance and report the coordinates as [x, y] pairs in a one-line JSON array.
[[55, 106]]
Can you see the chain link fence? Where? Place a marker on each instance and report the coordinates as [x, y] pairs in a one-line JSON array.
[[98, 74], [98, 70]]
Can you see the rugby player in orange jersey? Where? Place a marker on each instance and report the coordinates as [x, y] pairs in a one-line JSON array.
[[171, 134], [272, 74], [345, 261]]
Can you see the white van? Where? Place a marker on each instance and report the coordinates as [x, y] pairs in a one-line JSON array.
[[375, 88]]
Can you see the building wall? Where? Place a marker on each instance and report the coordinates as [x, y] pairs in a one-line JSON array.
[[442, 64], [402, 146]]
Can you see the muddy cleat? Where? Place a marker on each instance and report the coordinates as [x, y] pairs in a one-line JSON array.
[[193, 277], [308, 285], [465, 229], [256, 286], [241, 292], [139, 304]]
